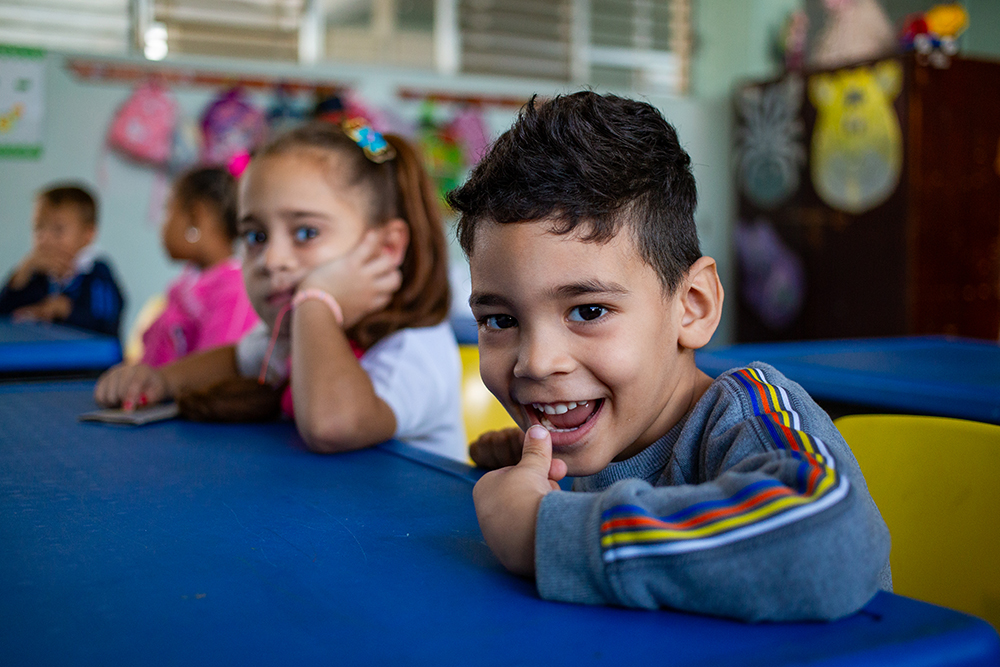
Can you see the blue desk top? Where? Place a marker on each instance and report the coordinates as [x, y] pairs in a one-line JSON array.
[[184, 543], [934, 375], [29, 347]]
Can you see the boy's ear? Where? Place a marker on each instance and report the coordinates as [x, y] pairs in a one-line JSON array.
[[395, 239], [89, 232], [700, 300]]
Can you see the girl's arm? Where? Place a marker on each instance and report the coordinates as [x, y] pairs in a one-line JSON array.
[[336, 408], [133, 385], [197, 371]]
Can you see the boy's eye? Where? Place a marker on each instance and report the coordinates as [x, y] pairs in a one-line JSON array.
[[254, 237], [303, 234], [497, 322], [587, 313]]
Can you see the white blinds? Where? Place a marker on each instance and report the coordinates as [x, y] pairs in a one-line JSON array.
[[264, 29], [93, 26]]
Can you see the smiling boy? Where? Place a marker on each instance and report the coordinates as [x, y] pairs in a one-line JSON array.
[[735, 497]]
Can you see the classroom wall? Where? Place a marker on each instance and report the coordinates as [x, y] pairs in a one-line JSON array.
[[78, 113], [734, 41]]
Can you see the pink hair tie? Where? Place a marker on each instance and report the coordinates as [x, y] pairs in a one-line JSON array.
[[320, 295]]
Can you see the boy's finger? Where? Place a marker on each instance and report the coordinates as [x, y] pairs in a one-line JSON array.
[[537, 451], [557, 470]]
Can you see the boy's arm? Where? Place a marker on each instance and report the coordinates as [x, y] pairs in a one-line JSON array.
[[777, 530], [14, 296], [98, 304]]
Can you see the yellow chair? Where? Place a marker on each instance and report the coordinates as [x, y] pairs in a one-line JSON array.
[[150, 310], [937, 483], [481, 411]]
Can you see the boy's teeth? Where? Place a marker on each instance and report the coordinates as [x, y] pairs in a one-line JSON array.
[[557, 408], [544, 421]]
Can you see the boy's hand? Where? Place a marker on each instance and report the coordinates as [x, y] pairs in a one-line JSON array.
[[362, 281], [131, 386], [56, 307], [497, 449], [507, 501], [48, 261], [54, 262]]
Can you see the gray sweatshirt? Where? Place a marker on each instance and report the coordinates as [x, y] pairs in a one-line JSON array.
[[751, 507]]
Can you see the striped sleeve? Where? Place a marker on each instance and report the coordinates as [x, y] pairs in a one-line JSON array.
[[758, 512], [630, 531]]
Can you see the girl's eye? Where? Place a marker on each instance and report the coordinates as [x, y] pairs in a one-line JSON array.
[[254, 237], [303, 234], [587, 313], [497, 322]]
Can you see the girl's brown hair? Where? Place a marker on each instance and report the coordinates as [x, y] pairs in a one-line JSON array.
[[396, 188], [213, 186]]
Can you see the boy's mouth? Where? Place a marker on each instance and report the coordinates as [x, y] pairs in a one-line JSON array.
[[565, 417]]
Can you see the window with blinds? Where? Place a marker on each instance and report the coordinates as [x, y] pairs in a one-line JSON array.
[[635, 44], [90, 26], [382, 32], [517, 37], [261, 29], [641, 45]]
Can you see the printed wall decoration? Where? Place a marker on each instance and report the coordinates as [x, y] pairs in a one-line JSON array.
[[857, 153], [22, 101], [770, 150]]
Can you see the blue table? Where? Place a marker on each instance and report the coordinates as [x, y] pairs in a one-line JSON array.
[[37, 348], [183, 543], [929, 375]]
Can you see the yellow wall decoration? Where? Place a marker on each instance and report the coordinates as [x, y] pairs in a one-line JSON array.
[[857, 152]]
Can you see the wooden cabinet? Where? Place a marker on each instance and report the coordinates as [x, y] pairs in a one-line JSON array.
[[922, 257]]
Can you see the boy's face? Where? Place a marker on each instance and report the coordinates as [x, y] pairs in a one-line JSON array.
[[60, 229], [581, 338]]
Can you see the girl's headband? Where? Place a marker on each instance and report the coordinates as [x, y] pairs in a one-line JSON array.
[[376, 148]]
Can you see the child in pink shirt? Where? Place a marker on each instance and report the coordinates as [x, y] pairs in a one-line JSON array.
[[207, 305]]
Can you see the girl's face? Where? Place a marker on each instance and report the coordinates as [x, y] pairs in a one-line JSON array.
[[177, 221], [293, 217]]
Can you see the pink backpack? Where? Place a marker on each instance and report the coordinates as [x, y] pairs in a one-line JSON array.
[[143, 127]]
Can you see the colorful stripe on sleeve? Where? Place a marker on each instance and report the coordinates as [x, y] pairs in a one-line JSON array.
[[629, 531]]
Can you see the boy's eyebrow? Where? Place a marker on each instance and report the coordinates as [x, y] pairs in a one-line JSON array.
[[591, 286], [581, 288], [488, 300]]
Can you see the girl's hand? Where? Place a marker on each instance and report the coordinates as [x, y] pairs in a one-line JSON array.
[[131, 386], [362, 281]]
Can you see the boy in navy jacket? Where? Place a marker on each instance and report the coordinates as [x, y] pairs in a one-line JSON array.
[[62, 279]]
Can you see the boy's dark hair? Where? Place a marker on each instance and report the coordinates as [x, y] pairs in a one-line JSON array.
[[596, 160], [213, 186], [71, 194]]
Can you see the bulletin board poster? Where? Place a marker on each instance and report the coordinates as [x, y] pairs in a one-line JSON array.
[[22, 101]]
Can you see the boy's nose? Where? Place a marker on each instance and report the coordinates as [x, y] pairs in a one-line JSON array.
[[542, 353]]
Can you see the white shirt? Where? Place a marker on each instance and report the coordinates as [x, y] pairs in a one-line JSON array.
[[417, 372]]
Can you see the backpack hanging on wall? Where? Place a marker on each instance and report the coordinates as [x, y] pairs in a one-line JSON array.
[[230, 127], [142, 129]]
